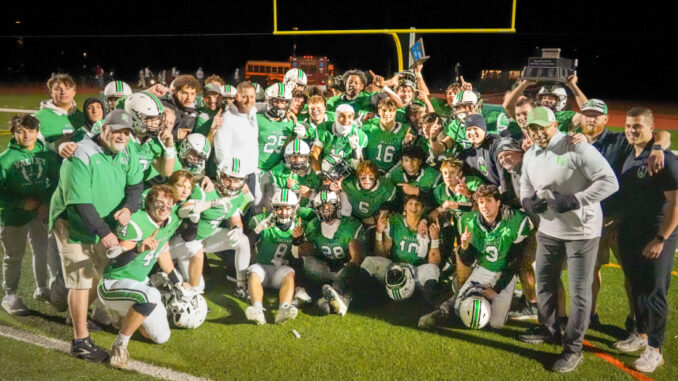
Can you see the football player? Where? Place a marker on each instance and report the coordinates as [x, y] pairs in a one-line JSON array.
[[384, 136], [295, 79], [295, 173], [331, 253], [210, 109], [113, 91], [434, 141], [413, 177], [193, 154], [274, 127], [486, 238], [317, 114], [368, 193], [341, 137], [59, 116], [273, 250]]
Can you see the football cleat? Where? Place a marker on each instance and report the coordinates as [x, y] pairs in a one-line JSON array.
[[323, 306], [41, 294], [119, 356], [256, 315], [300, 297], [240, 292], [286, 313], [537, 335], [435, 318], [336, 300], [86, 349], [14, 305]]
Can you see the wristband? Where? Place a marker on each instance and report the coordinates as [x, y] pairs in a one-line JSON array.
[[660, 238], [379, 236], [297, 240], [174, 277], [170, 153], [435, 243], [657, 147]]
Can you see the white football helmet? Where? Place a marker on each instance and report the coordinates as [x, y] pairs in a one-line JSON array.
[[188, 314], [297, 147], [115, 90], [335, 168], [464, 98], [327, 197], [147, 112], [295, 77], [230, 177], [229, 91], [555, 90], [194, 152], [259, 91], [283, 198], [474, 312], [400, 283], [278, 92]]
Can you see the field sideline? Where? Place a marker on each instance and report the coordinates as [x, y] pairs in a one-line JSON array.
[[380, 343]]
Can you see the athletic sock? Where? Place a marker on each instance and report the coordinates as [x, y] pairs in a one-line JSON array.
[[284, 305], [257, 305], [123, 340]]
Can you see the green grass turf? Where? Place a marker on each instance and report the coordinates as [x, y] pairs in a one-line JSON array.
[[382, 342]]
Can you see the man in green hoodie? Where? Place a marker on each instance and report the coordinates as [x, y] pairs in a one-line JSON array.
[[28, 175], [59, 117]]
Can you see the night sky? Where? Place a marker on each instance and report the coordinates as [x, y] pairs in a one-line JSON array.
[[624, 53]]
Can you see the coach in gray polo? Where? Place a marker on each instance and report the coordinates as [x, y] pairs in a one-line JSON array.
[[564, 184]]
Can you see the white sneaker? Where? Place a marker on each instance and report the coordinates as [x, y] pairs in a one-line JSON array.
[[119, 356], [284, 314], [633, 343], [255, 314], [335, 300], [13, 304], [301, 297], [650, 360], [41, 294]]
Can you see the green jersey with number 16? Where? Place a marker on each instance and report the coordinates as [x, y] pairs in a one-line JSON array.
[[383, 146]]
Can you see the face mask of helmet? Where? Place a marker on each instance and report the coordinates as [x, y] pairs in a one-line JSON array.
[[297, 162], [228, 186], [275, 111], [284, 216], [335, 168]]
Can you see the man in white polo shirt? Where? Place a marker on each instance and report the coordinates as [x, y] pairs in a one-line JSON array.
[[564, 184]]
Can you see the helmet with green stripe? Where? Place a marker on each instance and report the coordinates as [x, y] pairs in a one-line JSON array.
[[147, 112], [278, 98], [284, 204], [259, 91], [335, 168], [115, 90], [229, 92], [474, 311], [464, 103], [557, 96], [194, 152], [297, 155], [400, 283], [326, 205], [230, 177], [295, 77]]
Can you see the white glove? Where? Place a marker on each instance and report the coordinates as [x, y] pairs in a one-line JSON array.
[[354, 141], [114, 252], [185, 294], [423, 241], [223, 202], [194, 207], [300, 130], [194, 217], [265, 224], [234, 235]]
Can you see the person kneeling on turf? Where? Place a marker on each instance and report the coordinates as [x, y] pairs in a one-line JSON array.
[[123, 288], [486, 237], [273, 248]]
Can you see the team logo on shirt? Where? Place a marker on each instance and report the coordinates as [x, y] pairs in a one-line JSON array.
[[31, 169], [482, 165], [561, 160], [642, 171]]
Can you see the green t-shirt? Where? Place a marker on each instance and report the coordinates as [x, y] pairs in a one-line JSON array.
[[366, 203], [203, 123], [492, 247], [405, 244], [93, 175], [211, 218], [140, 227], [335, 144], [564, 119], [504, 123], [272, 137], [25, 174], [273, 245], [384, 147], [334, 250], [55, 123]]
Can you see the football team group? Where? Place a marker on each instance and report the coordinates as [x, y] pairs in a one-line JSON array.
[[372, 190]]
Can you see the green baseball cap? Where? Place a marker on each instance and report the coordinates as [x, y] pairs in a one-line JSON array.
[[594, 105], [541, 116]]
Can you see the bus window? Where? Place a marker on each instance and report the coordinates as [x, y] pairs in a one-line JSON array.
[[250, 68]]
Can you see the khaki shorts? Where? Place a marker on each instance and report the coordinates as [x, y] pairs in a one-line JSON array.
[[608, 241], [82, 263]]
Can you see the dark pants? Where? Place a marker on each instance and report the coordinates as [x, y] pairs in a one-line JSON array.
[[581, 259], [649, 279]]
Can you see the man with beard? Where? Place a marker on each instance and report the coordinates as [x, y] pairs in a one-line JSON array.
[[362, 102]]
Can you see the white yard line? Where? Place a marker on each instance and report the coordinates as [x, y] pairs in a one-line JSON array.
[[21, 110], [64, 347]]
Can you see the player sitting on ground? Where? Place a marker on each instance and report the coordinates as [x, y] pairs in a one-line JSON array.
[[486, 238]]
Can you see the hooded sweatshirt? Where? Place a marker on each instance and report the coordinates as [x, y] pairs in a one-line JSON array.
[[55, 122], [90, 128]]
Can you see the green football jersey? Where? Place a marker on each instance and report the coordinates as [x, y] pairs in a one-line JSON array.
[[491, 113], [305, 120], [280, 174], [366, 203], [335, 144], [428, 178], [493, 246], [148, 151], [405, 244], [383, 146], [140, 227], [441, 107], [55, 122], [335, 249], [273, 245], [203, 122], [564, 119], [211, 218], [364, 103], [272, 137], [442, 193]]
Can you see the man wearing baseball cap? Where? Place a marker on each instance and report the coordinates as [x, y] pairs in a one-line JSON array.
[[564, 184], [99, 187]]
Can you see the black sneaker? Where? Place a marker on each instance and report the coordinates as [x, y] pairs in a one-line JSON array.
[[525, 311], [86, 349], [594, 321], [568, 361], [537, 335]]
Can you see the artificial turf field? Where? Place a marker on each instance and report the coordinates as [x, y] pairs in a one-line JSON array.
[[379, 343]]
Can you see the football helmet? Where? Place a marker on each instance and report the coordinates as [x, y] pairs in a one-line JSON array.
[[194, 152], [297, 147], [464, 98], [229, 92], [283, 199], [189, 313], [327, 197], [555, 90], [113, 91], [259, 91], [147, 112], [474, 311], [230, 177], [335, 168], [295, 77], [278, 92], [400, 283]]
